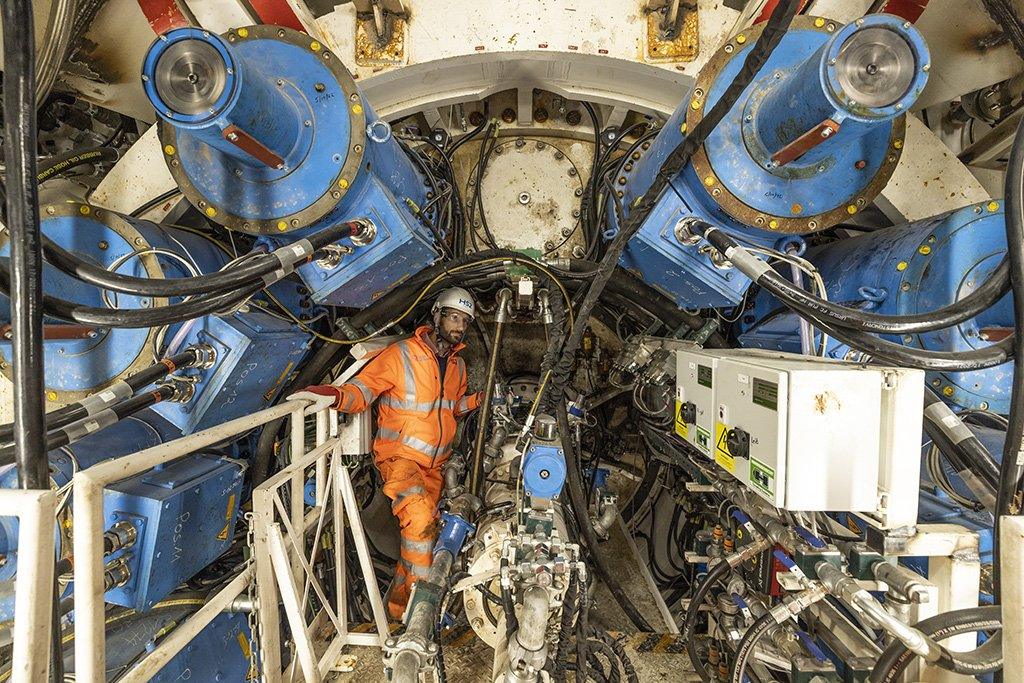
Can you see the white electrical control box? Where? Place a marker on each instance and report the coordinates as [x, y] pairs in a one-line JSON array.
[[807, 434], [695, 400]]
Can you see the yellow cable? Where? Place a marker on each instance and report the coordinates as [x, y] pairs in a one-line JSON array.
[[496, 259]]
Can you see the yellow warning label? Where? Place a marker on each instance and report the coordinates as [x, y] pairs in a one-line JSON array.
[[223, 535], [243, 643], [722, 455], [682, 429], [254, 673]]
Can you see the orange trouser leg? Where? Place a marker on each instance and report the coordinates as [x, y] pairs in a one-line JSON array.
[[414, 491]]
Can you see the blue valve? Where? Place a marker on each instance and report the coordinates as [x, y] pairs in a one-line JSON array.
[[453, 534]]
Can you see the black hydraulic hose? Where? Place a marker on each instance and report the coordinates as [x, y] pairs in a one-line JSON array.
[[577, 501], [134, 318], [693, 610], [995, 287], [219, 282], [1011, 470], [467, 137], [52, 166], [152, 203], [960, 439], [323, 359], [946, 361], [761, 626], [774, 30], [936, 361], [68, 434], [643, 491], [143, 378], [26, 287], [896, 657]]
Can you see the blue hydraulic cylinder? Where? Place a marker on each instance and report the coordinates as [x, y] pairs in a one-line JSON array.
[[80, 360], [810, 142], [266, 132], [904, 270]]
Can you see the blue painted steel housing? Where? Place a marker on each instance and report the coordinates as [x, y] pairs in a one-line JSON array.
[[255, 355], [905, 270], [78, 360], [142, 430], [340, 163], [543, 470], [185, 516], [220, 652], [733, 182]]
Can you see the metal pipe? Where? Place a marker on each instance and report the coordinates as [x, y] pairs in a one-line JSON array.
[[671, 15], [533, 621], [609, 513], [527, 648], [26, 249], [417, 642], [849, 591], [902, 580], [477, 477]]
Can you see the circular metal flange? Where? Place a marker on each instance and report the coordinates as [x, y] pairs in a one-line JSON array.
[[189, 76], [480, 612], [532, 195], [119, 337], [729, 202], [333, 193], [929, 271]]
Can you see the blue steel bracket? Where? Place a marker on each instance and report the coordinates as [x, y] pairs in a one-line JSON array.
[[453, 534]]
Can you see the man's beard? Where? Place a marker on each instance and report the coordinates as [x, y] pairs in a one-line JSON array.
[[449, 337]]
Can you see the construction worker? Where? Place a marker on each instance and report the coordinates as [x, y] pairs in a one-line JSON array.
[[421, 386]]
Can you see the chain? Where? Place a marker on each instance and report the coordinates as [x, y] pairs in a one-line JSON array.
[[254, 621]]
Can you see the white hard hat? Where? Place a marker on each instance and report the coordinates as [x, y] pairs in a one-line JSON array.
[[456, 298]]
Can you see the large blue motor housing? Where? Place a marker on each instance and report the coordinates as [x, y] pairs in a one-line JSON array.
[[811, 141], [184, 513], [81, 360], [254, 352], [910, 269], [265, 132]]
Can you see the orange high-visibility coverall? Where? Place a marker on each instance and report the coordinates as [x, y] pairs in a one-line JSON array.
[[415, 428]]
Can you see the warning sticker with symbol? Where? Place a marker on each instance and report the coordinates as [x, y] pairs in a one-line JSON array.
[[722, 455], [682, 429]]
